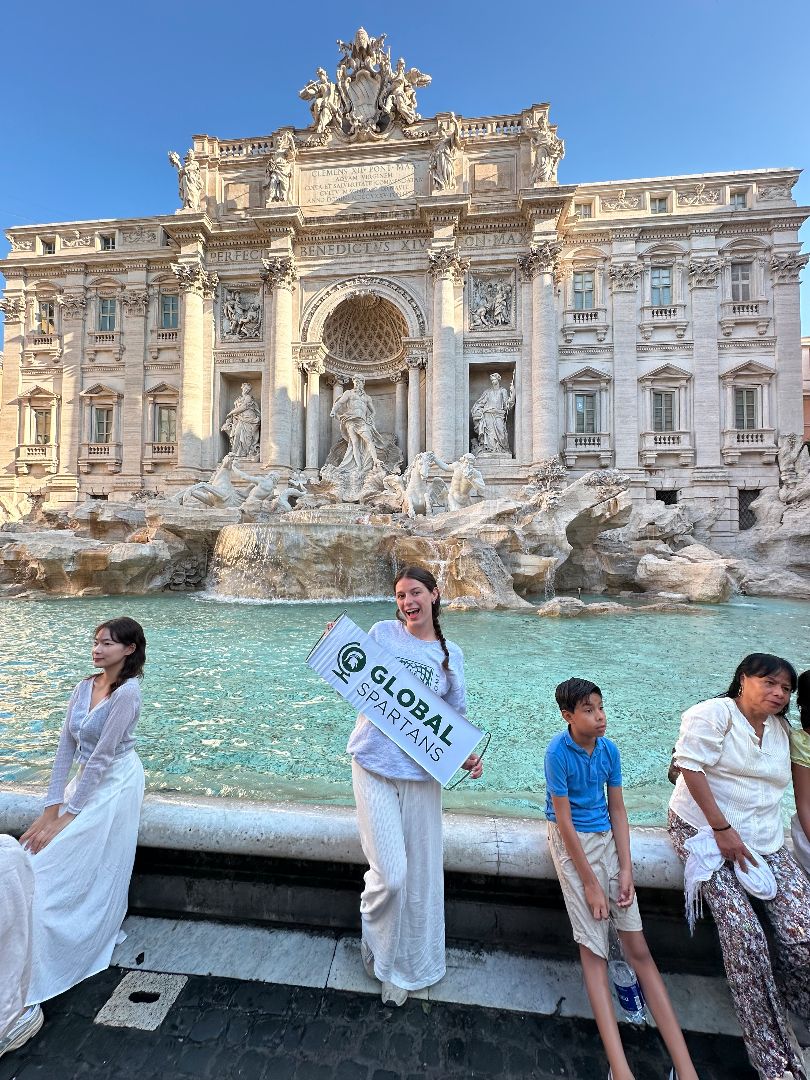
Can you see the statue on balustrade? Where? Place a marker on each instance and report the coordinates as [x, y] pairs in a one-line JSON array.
[[489, 416], [242, 425], [443, 158], [324, 103], [278, 177], [465, 482], [548, 152], [189, 180]]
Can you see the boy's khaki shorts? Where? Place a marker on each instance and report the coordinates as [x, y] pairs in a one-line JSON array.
[[600, 851]]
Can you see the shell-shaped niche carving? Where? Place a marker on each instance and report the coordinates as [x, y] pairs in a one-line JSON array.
[[365, 329]]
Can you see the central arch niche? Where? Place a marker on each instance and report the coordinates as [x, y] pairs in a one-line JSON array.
[[365, 333]]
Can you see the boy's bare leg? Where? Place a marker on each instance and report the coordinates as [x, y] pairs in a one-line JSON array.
[[655, 994], [594, 968]]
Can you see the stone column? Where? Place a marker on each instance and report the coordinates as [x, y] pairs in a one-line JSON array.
[[279, 277], [193, 280], [624, 277], [74, 309], [447, 270], [134, 306], [539, 267], [704, 277], [415, 364], [314, 369], [13, 306], [785, 270], [338, 386], [400, 421]]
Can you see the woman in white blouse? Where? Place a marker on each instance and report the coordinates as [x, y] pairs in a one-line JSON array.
[[734, 758], [83, 843]]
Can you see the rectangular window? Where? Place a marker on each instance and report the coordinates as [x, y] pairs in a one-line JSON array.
[[107, 243], [48, 247], [583, 210], [166, 424], [102, 424], [583, 290], [747, 518], [46, 317], [741, 281], [42, 426], [739, 200], [659, 204], [745, 407], [663, 403], [168, 311], [106, 314], [585, 414], [661, 286], [668, 496]]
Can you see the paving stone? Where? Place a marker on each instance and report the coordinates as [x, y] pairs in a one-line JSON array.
[[353, 1070], [210, 1026]]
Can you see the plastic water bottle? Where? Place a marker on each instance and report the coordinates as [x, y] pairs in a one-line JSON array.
[[624, 980]]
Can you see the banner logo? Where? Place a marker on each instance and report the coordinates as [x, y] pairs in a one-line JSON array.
[[350, 660]]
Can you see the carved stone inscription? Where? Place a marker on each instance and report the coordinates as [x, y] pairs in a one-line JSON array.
[[362, 183]]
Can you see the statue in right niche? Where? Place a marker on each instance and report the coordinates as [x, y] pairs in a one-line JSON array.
[[489, 415]]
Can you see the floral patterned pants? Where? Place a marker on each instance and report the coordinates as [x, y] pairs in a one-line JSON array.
[[758, 988]]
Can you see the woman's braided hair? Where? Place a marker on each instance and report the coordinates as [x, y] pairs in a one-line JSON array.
[[424, 577]]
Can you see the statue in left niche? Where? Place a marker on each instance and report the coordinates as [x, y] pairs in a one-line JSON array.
[[323, 100], [242, 426], [189, 180]]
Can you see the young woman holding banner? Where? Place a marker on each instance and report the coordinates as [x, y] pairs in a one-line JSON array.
[[399, 806]]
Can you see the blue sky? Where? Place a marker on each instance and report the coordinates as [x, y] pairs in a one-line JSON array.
[[96, 94]]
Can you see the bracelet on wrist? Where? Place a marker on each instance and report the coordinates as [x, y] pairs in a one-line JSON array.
[[721, 828]]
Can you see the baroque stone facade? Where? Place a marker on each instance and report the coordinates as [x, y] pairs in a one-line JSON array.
[[647, 325]]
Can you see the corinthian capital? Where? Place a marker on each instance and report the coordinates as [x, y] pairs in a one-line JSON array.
[[134, 303], [194, 278], [540, 258], [624, 276], [786, 268], [73, 305], [13, 307], [445, 263], [705, 273], [280, 272]]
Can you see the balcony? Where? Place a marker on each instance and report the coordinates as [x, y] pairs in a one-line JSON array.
[[747, 442], [101, 455], [44, 454], [592, 319], [159, 453], [657, 443], [577, 445], [103, 341], [669, 317], [745, 313], [162, 339], [42, 347]]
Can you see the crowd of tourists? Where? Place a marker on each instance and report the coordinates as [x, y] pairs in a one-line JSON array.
[[64, 884]]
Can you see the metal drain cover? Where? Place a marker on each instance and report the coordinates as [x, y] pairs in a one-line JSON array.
[[141, 1000]]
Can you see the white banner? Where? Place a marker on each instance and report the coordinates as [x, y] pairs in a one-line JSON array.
[[394, 699]]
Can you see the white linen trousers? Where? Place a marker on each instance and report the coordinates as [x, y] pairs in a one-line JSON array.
[[16, 898], [402, 905], [81, 882]]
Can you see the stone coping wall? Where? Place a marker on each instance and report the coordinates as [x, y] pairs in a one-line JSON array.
[[495, 846]]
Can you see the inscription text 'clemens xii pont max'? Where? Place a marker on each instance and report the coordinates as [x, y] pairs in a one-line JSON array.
[[361, 183]]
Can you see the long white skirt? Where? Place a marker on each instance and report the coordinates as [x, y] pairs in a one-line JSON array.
[[16, 897], [81, 883], [402, 905]]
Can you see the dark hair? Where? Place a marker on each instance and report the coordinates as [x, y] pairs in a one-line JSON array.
[[803, 698], [418, 573], [127, 632], [572, 691], [760, 665]]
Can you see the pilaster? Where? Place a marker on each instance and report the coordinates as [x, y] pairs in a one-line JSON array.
[[195, 282], [448, 270], [280, 276], [73, 306], [624, 277], [134, 306], [704, 278], [13, 306], [785, 271], [539, 266]]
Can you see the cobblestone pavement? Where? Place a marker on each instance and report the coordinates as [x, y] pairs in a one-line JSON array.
[[224, 1029]]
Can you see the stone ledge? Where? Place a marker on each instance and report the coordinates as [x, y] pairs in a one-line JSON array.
[[492, 846]]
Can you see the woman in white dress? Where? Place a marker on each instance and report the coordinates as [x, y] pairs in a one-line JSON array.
[[399, 806], [83, 843]]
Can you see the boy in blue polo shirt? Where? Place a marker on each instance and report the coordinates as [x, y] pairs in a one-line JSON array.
[[589, 841]]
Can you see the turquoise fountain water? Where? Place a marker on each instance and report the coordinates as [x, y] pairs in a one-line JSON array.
[[231, 709]]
